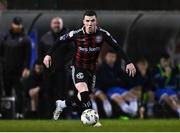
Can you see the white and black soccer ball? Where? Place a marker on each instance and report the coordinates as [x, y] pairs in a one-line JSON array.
[[89, 117]]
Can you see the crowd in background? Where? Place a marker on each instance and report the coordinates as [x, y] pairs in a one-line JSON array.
[[153, 92]]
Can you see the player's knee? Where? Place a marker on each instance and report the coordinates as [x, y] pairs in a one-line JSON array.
[[134, 110], [133, 107], [132, 96], [81, 87], [117, 98], [33, 94], [165, 97]]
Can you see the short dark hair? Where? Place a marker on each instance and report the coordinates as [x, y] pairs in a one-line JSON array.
[[164, 55], [111, 51], [141, 59], [89, 13], [17, 20]]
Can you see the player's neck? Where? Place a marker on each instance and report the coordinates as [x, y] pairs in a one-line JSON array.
[[88, 32]]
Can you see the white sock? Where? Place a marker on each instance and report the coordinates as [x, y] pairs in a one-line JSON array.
[[150, 107], [107, 108], [178, 110], [133, 107], [124, 107], [94, 105], [63, 104]]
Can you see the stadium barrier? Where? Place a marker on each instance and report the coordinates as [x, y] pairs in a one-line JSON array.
[[140, 33]]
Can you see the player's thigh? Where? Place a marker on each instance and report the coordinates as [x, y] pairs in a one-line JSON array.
[[79, 79], [81, 87]]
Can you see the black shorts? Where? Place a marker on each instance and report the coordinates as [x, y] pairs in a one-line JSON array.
[[82, 75]]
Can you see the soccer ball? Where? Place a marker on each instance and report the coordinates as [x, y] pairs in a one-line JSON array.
[[89, 117]]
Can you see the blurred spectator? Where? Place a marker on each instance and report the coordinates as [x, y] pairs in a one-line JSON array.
[[115, 82], [3, 5], [34, 86], [105, 101], [1, 37], [1, 67], [56, 78], [102, 78], [141, 84], [150, 103], [177, 71], [165, 83], [16, 53]]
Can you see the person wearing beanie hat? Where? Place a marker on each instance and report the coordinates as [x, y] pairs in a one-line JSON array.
[[16, 53]]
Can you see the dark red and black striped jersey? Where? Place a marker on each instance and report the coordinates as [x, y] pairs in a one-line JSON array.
[[88, 46]]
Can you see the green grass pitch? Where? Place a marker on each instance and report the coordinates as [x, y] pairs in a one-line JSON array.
[[76, 125]]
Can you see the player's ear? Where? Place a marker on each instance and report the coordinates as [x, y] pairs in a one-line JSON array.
[[83, 21]]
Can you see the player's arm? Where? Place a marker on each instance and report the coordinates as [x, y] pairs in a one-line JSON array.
[[130, 68], [61, 42]]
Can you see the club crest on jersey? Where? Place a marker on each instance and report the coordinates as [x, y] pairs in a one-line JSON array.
[[98, 39], [80, 75]]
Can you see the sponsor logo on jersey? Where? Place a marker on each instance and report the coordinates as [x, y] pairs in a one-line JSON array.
[[90, 49]]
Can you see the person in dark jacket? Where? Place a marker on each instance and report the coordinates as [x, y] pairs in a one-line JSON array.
[[177, 71], [141, 85], [116, 84], [34, 87], [1, 68], [16, 53], [55, 79], [165, 83]]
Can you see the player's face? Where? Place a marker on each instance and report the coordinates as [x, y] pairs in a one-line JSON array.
[[16, 28], [142, 66], [38, 69], [165, 62], [90, 23], [56, 25]]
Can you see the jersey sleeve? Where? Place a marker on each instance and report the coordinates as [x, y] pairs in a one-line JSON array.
[[62, 41], [111, 41]]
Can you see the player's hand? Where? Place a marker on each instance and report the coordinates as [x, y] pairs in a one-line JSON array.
[[130, 69], [47, 61]]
